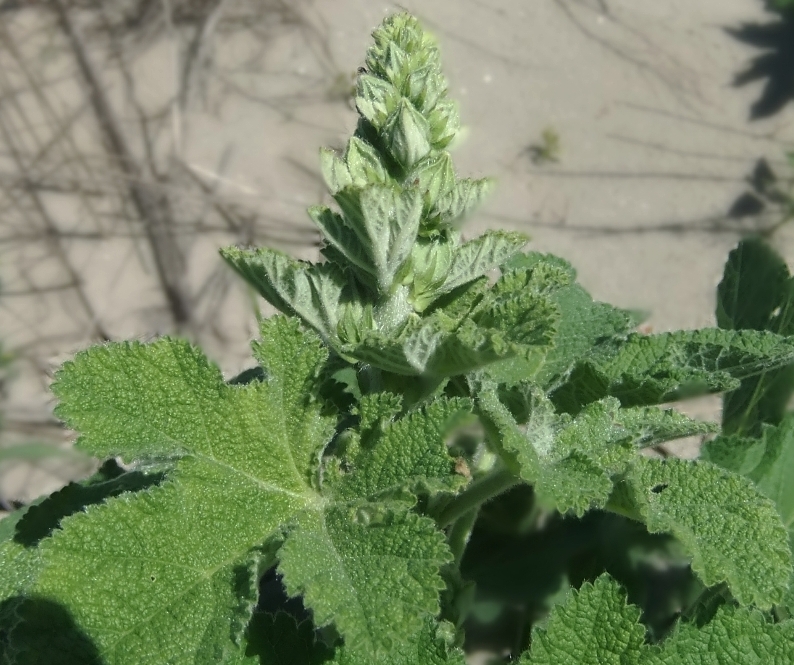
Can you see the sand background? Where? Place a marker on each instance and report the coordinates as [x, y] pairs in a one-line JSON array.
[[655, 146]]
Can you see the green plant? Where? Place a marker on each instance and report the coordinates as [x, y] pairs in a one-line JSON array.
[[406, 404]]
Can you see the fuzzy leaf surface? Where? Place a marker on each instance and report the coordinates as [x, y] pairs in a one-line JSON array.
[[409, 453], [732, 532], [769, 462], [572, 461], [651, 369], [169, 573], [310, 291], [371, 569], [596, 626]]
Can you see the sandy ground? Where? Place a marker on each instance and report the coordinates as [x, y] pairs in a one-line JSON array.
[[655, 145]]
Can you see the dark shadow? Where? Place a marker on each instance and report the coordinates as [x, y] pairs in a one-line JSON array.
[[42, 519], [520, 576], [35, 631], [273, 598], [775, 64]]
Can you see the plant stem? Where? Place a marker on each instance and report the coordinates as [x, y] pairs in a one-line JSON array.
[[481, 490], [459, 533]]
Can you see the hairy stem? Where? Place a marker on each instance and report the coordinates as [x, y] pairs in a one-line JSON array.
[[459, 534], [475, 495]]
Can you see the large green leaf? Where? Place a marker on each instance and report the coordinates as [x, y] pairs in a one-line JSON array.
[[769, 462], [169, 573], [732, 532]]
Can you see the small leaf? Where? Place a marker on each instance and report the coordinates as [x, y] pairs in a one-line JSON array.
[[364, 164], [435, 176], [481, 255], [344, 240], [386, 222], [310, 291], [465, 196], [418, 441], [335, 172], [407, 135], [376, 99]]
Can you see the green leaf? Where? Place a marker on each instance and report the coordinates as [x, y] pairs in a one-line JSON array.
[[583, 326], [757, 293], [733, 637], [572, 461], [651, 369], [439, 346], [343, 239], [335, 172], [769, 462], [386, 222], [376, 99], [434, 645], [435, 176], [310, 291], [418, 441], [372, 570], [407, 135], [464, 197], [364, 164], [755, 283], [481, 255], [596, 626], [169, 573], [733, 533]]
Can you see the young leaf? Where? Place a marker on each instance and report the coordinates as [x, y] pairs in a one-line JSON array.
[[733, 533], [477, 257], [386, 222], [418, 441], [310, 291]]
